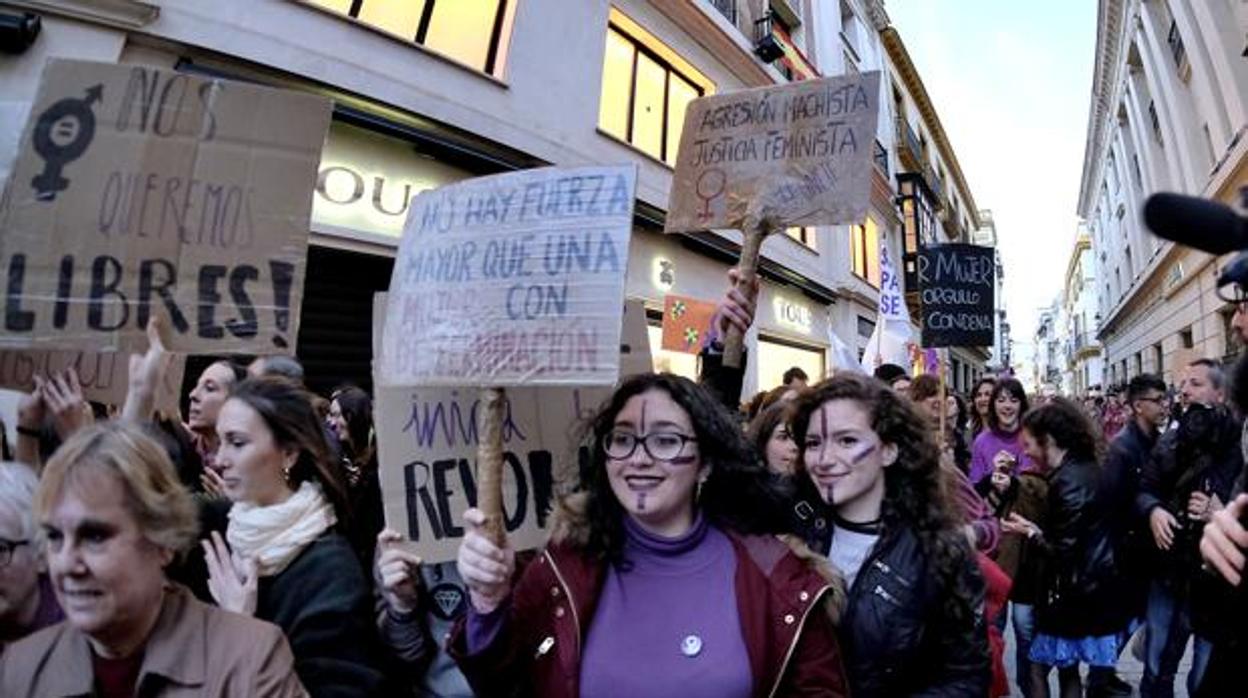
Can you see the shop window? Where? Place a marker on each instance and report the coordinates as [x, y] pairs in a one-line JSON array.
[[646, 89], [665, 361], [777, 356], [803, 234], [864, 243], [473, 32]]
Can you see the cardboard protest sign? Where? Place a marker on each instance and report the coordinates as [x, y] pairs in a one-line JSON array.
[[512, 280], [104, 376], [427, 449], [956, 286], [685, 323], [794, 154], [140, 191]]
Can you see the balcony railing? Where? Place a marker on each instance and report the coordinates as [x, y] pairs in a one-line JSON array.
[[908, 148]]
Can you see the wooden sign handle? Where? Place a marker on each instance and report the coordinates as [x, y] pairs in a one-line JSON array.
[[734, 342], [490, 463]]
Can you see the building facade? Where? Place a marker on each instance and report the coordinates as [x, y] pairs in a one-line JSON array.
[[428, 93], [1169, 112], [1082, 350]]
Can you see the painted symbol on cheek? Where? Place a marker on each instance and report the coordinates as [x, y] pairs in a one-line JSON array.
[[862, 454]]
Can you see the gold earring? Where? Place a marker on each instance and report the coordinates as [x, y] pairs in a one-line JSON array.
[[286, 477]]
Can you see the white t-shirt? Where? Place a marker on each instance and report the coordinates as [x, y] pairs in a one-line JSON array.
[[849, 550]]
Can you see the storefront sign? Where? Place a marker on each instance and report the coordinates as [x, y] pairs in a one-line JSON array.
[[792, 315], [366, 181], [140, 191], [794, 154], [956, 287], [514, 279]]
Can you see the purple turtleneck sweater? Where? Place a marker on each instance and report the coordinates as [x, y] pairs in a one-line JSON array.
[[986, 447], [678, 595], [666, 623]]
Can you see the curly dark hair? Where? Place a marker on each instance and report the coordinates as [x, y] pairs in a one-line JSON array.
[[1068, 427], [915, 491], [1016, 390], [287, 411], [739, 493]]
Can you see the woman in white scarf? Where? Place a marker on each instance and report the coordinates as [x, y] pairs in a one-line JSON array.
[[286, 561]]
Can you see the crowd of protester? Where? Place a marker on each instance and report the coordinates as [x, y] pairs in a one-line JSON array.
[[850, 535]]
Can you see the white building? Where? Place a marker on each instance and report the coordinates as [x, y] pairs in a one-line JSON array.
[[986, 235], [427, 93], [1084, 365], [1169, 113], [1050, 347]]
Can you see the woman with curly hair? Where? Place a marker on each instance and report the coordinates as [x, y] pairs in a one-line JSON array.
[[1080, 614], [661, 578], [873, 502]]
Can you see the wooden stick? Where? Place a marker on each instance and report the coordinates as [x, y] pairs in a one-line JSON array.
[[751, 244], [490, 463]]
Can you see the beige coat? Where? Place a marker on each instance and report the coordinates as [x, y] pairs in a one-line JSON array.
[[194, 650]]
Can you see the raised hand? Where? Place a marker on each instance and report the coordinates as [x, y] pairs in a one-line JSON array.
[[397, 571], [234, 588]]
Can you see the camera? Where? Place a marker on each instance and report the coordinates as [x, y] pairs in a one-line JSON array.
[[18, 31]]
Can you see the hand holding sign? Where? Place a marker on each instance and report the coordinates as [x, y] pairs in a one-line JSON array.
[[486, 567], [763, 159]]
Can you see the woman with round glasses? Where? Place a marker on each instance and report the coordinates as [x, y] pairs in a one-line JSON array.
[[659, 579]]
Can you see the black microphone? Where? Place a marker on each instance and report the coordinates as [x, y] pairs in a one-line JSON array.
[[1200, 223]]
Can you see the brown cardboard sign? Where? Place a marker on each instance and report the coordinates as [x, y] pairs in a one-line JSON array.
[[794, 154], [104, 376], [141, 191], [427, 449]]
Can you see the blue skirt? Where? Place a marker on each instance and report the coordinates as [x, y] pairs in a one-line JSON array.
[[1065, 652]]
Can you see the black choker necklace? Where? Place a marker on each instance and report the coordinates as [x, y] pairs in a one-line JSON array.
[[872, 527]]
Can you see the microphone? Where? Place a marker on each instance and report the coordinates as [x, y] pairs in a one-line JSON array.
[[1188, 220]]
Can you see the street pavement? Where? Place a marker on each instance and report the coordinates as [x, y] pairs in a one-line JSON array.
[[1129, 669]]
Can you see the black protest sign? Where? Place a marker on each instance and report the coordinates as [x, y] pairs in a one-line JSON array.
[[957, 284], [140, 191]]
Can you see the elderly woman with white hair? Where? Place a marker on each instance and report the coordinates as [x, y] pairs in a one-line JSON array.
[[27, 602], [113, 516]]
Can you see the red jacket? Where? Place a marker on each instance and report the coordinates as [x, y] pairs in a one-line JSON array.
[[782, 600]]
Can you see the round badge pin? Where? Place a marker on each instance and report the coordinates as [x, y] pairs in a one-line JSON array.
[[691, 646]]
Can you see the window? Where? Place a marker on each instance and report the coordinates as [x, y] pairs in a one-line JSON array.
[[473, 32], [1130, 267], [864, 244], [646, 89], [1111, 169], [1139, 364], [1135, 172], [866, 327], [1185, 338], [1158, 360], [803, 234], [1175, 41], [1155, 121]]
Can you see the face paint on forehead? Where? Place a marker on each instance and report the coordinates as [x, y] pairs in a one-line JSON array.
[[642, 427]]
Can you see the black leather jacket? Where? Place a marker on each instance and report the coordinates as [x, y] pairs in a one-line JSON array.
[[1082, 593], [897, 636]]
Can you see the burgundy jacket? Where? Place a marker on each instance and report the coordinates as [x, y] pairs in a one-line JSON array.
[[782, 601]]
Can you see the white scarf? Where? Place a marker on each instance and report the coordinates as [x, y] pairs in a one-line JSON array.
[[276, 534]]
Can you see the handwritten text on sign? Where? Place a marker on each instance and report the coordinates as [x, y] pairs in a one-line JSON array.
[[140, 191], [514, 279], [795, 154], [103, 376], [957, 284]]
